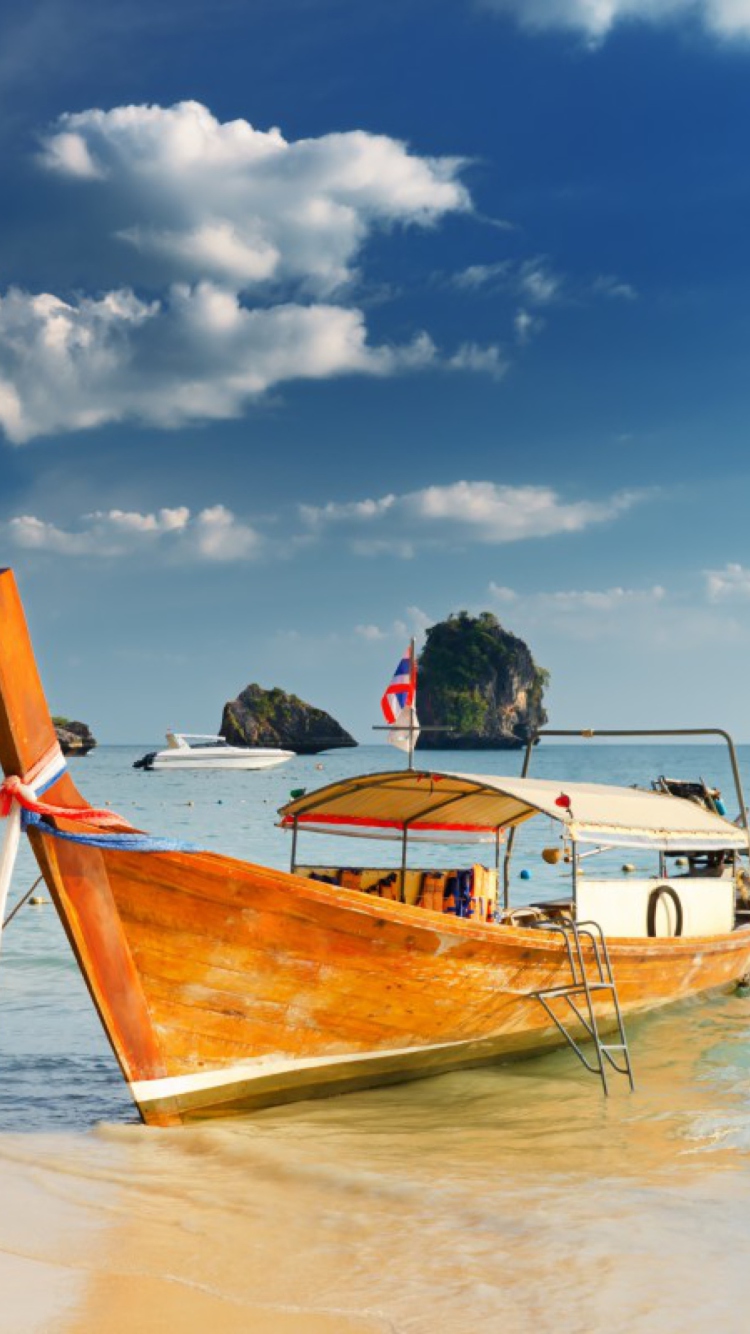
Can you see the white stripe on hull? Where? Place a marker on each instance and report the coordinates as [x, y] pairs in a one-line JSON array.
[[272, 1080], [147, 1090]]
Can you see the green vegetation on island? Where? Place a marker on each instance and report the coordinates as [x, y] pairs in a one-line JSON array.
[[481, 682]]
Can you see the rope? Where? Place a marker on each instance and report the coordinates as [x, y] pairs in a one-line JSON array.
[[22, 797], [15, 790], [121, 842], [21, 902], [22, 808]]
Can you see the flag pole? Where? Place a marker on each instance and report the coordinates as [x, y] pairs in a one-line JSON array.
[[413, 709]]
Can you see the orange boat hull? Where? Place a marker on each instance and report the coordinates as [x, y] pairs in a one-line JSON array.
[[258, 987], [224, 986]]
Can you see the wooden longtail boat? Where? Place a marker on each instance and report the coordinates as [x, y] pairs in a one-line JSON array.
[[224, 986]]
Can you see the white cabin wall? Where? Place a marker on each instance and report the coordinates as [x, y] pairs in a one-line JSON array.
[[621, 906]]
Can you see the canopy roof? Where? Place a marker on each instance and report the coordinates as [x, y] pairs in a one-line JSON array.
[[472, 808]]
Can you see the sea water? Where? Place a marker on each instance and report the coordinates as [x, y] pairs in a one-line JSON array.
[[511, 1198]]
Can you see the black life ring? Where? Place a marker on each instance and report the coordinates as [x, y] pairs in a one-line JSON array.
[[653, 903]]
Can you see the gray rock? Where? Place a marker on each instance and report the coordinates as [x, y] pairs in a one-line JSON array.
[[75, 738], [259, 717], [480, 681]]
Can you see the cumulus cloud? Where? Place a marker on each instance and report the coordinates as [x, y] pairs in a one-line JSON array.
[[198, 355], [595, 18], [228, 201], [463, 511], [246, 245], [213, 534], [730, 584]]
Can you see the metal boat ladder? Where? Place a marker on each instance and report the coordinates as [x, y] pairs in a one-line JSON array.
[[589, 978]]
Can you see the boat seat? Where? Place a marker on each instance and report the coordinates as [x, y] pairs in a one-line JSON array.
[[525, 916], [556, 909]]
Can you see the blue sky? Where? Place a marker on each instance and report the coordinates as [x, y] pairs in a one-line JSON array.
[[319, 321]]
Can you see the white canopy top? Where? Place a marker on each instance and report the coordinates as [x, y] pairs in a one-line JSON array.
[[472, 808]]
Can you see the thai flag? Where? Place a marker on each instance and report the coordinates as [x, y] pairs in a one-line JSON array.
[[401, 692]]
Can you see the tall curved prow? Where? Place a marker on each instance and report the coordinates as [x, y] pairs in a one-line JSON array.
[[75, 874], [27, 733]]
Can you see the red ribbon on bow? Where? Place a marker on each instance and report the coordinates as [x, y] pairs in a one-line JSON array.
[[14, 789]]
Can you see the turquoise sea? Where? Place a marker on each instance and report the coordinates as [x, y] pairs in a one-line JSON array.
[[504, 1199]]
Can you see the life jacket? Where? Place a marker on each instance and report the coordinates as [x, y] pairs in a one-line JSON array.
[[350, 877], [450, 893], [431, 891], [388, 887]]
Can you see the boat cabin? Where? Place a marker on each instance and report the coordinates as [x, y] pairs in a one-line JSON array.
[[691, 885]]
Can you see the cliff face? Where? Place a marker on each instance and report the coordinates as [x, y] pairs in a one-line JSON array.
[[75, 738], [482, 682], [260, 717]]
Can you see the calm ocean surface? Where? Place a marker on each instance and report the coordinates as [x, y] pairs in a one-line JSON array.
[[509, 1198]]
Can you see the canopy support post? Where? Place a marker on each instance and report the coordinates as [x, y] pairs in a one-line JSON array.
[[403, 862], [506, 866], [574, 874], [295, 828], [497, 874]]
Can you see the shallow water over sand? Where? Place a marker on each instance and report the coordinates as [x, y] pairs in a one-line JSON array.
[[508, 1199]]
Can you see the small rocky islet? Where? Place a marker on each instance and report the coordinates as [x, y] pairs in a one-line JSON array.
[[481, 684], [75, 738]]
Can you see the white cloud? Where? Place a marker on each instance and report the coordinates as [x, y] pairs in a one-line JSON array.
[[501, 593], [465, 511], [247, 244], [608, 285], [372, 633], [482, 275], [526, 325], [69, 154], [730, 584], [595, 18], [228, 201], [631, 615], [538, 283], [198, 355], [213, 534], [587, 599], [486, 360], [415, 623], [531, 279], [219, 536]]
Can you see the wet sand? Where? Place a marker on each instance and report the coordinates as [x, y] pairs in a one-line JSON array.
[[494, 1200]]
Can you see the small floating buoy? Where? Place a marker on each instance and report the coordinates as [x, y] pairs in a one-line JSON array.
[[628, 867], [220, 801], [525, 875], [319, 766], [38, 900], [680, 861], [189, 803], [552, 855]]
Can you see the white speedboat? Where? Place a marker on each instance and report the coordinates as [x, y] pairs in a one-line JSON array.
[[190, 750]]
